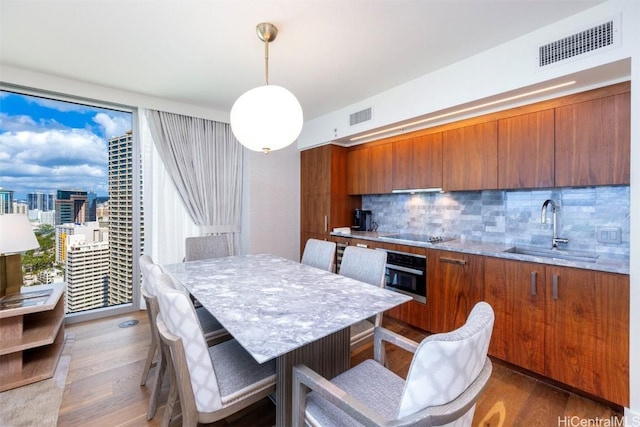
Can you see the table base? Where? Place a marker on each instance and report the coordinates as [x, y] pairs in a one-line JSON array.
[[328, 356]]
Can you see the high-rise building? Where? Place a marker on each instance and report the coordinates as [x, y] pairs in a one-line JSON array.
[[48, 218], [20, 208], [121, 216], [90, 230], [70, 206], [6, 201], [92, 205], [87, 269], [40, 201]]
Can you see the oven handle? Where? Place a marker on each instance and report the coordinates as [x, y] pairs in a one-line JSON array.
[[405, 269]]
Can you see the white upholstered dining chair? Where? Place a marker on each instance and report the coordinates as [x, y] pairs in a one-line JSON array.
[[445, 379], [365, 265], [212, 382], [319, 253], [157, 355], [206, 247]]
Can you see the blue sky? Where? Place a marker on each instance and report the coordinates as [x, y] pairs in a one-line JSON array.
[[47, 145]]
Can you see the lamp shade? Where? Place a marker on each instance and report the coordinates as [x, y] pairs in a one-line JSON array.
[[16, 234], [266, 118]]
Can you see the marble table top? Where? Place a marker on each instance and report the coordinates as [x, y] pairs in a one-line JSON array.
[[273, 305]]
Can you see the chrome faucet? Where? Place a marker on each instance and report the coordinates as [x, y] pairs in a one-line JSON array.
[[543, 219]]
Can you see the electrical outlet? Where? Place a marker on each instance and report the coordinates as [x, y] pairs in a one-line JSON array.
[[609, 235]]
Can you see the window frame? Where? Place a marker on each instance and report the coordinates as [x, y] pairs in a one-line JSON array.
[[135, 304]]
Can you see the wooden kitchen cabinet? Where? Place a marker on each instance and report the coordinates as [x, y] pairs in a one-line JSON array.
[[470, 157], [454, 286], [516, 291], [568, 324], [324, 203], [412, 312], [417, 162], [587, 331], [526, 151], [592, 142], [369, 169]]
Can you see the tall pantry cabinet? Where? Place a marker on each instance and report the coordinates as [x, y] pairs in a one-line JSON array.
[[324, 203]]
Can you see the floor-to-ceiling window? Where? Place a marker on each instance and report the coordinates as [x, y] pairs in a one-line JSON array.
[[74, 168]]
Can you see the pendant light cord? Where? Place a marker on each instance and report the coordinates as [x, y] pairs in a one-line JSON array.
[[266, 62]]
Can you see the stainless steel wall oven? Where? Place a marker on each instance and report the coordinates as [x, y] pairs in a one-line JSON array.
[[407, 273]]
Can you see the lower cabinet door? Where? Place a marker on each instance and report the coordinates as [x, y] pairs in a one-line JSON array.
[[587, 331], [454, 286], [516, 291], [412, 312]]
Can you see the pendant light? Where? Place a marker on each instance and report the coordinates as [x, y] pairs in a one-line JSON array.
[[267, 117]]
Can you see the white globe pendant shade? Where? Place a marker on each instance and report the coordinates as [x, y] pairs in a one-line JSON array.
[[266, 118]]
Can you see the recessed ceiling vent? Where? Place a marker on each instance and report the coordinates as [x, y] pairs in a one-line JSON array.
[[590, 40], [360, 116]]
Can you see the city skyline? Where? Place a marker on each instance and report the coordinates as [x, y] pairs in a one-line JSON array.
[[48, 145]]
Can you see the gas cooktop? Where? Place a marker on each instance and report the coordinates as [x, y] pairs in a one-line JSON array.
[[422, 238]]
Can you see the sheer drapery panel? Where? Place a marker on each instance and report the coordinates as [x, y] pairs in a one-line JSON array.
[[204, 161]]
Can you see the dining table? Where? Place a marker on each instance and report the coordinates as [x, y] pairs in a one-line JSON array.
[[277, 308]]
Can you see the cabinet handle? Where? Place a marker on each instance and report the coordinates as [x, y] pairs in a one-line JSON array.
[[453, 260], [533, 283], [555, 286], [326, 223], [361, 245]]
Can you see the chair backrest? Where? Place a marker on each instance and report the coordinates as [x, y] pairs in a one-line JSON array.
[[365, 265], [319, 253], [180, 318], [206, 247], [146, 264], [444, 365], [151, 273]]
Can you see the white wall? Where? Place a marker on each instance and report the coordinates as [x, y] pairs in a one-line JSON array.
[[62, 86], [503, 69], [271, 203]]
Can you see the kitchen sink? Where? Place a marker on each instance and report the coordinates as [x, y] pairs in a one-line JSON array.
[[553, 253]]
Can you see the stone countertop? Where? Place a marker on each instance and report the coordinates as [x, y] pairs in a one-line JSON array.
[[273, 305], [605, 263]]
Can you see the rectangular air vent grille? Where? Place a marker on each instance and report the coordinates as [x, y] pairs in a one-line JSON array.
[[360, 116], [577, 44]]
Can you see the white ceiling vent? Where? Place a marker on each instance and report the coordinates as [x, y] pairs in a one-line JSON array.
[[360, 116], [593, 39]]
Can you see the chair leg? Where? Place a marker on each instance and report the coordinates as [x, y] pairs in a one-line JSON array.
[[173, 401], [157, 386], [148, 364]]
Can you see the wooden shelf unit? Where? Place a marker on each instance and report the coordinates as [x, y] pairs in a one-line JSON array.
[[31, 339]]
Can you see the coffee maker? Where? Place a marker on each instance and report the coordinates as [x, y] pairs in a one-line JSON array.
[[362, 220]]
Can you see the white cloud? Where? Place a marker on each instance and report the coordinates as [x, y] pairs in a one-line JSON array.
[[16, 123], [59, 147], [53, 159], [116, 125]]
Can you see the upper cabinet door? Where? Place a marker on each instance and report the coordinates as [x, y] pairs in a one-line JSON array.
[[369, 169], [315, 170], [470, 157], [525, 151], [417, 162], [593, 142]]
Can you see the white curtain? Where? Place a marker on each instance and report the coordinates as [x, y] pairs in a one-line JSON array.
[[201, 166]]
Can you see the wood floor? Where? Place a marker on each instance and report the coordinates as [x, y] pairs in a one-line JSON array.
[[103, 385]]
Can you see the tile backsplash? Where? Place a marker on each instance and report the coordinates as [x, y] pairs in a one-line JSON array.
[[510, 217]]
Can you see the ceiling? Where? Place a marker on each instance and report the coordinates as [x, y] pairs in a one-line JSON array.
[[329, 53]]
